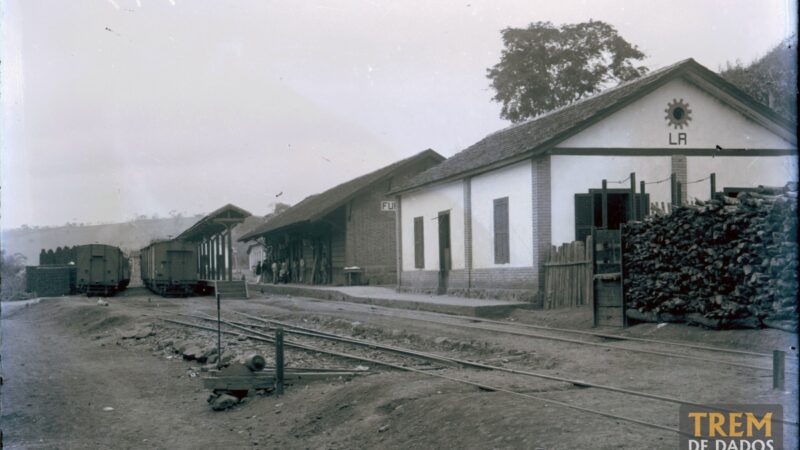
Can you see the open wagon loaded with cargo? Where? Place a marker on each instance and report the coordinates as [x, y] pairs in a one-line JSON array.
[[169, 268]]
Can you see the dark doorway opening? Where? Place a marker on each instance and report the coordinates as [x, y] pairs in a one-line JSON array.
[[589, 210], [444, 251]]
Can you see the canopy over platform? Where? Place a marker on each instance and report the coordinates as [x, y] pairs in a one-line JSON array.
[[214, 242], [215, 223]]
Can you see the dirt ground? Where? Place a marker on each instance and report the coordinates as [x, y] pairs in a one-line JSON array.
[[71, 380]]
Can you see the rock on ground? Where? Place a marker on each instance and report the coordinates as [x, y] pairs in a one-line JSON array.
[[223, 402]]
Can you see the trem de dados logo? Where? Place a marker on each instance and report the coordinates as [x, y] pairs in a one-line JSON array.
[[732, 427]]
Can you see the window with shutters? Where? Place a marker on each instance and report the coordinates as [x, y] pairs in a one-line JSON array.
[[419, 244], [501, 237]]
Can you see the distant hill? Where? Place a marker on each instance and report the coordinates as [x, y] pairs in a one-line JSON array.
[[128, 235]]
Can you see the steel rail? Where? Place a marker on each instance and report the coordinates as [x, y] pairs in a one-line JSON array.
[[402, 351], [610, 346], [482, 386], [600, 344], [479, 365], [563, 330]]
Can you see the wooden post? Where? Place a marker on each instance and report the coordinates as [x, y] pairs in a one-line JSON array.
[[219, 335], [203, 259], [593, 271], [212, 258], [605, 204], [217, 268], [713, 185], [206, 265], [643, 205], [229, 238], [778, 369], [200, 259], [279, 361], [673, 180], [632, 214]]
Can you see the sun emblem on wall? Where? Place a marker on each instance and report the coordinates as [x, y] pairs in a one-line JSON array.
[[678, 113]]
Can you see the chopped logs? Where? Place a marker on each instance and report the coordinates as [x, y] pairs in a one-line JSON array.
[[725, 263]]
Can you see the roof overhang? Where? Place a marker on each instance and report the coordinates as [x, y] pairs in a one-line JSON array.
[[316, 208], [216, 222]]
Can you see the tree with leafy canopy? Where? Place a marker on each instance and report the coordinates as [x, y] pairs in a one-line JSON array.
[[771, 79], [544, 67], [12, 276]]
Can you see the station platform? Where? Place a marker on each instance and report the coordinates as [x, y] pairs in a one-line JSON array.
[[390, 298]]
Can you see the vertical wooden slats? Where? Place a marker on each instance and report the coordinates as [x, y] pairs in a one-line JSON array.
[[568, 275]]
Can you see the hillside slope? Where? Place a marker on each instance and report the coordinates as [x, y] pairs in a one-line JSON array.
[[128, 235]]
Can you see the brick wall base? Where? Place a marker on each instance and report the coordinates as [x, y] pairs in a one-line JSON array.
[[379, 275], [419, 281], [503, 283]]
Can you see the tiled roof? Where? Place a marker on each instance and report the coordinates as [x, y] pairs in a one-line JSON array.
[[317, 206], [538, 134]]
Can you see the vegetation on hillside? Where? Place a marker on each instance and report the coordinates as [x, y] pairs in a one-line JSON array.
[[12, 276], [771, 79]]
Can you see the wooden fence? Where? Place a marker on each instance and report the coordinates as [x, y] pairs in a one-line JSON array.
[[568, 275]]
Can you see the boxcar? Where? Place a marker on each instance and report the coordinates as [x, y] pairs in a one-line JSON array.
[[100, 269], [169, 268]]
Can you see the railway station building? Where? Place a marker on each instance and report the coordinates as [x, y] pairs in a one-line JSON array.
[[481, 222], [345, 235]]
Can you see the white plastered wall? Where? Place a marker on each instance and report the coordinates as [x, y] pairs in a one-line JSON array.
[[576, 174], [642, 124], [428, 203], [513, 182]]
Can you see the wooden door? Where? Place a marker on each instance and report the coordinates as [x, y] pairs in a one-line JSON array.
[[445, 262]]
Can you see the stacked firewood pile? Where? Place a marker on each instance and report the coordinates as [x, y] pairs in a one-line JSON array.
[[725, 263]]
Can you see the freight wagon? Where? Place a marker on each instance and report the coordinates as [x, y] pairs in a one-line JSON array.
[[100, 269], [169, 268]]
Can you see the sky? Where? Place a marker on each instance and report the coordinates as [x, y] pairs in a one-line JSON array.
[[116, 108]]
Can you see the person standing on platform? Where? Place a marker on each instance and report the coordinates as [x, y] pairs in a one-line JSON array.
[[284, 272], [323, 268], [301, 270], [274, 272]]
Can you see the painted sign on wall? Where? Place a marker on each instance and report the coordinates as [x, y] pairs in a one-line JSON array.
[[678, 116]]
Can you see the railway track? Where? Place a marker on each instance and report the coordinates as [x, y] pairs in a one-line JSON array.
[[261, 337], [760, 361], [254, 331], [520, 329]]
